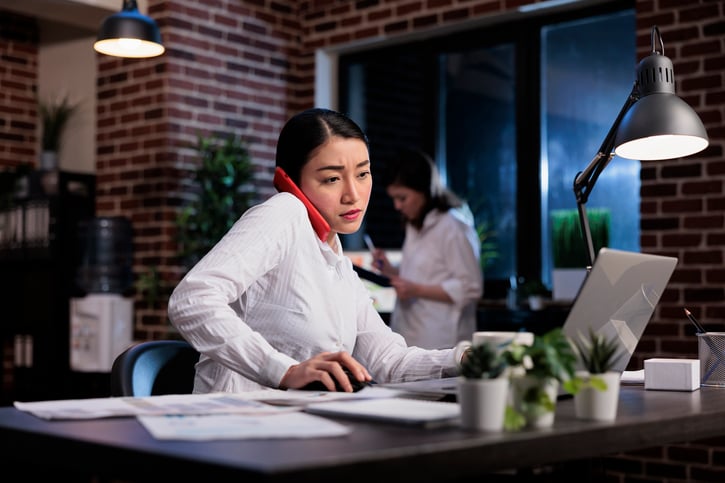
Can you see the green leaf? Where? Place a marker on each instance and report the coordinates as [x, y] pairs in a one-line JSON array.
[[597, 354], [513, 420], [220, 198], [483, 361]]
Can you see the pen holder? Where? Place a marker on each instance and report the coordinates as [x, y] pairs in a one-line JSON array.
[[711, 352]]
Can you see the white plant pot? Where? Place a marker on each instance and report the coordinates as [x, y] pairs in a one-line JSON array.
[[483, 403], [593, 404], [536, 416]]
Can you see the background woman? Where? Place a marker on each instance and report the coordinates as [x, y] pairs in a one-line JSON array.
[[439, 281]]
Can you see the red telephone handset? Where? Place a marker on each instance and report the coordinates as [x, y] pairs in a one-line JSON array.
[[284, 183]]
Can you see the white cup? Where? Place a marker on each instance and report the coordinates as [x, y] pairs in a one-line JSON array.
[[501, 339], [496, 338]]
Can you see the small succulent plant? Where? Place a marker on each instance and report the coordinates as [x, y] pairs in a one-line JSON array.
[[598, 356], [597, 353], [483, 361]]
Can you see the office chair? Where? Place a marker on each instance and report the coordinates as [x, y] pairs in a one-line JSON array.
[[153, 368]]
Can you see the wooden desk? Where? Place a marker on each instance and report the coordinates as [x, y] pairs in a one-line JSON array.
[[121, 447]]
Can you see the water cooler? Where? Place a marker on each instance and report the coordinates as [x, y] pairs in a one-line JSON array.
[[101, 322]]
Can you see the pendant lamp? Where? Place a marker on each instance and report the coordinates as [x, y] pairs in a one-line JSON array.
[[129, 34]]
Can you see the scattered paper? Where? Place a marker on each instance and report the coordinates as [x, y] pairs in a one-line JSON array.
[[174, 404], [263, 401], [294, 397], [239, 426]]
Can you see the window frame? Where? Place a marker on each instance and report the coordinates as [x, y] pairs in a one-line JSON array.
[[524, 33]]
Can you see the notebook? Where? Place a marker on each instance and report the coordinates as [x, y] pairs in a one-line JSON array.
[[417, 412]]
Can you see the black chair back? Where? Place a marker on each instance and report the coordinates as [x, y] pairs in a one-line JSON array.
[[154, 368]]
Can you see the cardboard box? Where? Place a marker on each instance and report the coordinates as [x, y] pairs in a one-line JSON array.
[[672, 374]]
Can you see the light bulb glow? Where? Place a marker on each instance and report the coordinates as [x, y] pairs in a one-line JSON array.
[[125, 47], [667, 146]]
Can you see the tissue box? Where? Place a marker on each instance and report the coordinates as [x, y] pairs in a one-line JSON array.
[[672, 374]]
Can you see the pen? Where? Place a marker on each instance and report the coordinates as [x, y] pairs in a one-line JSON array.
[[369, 242], [699, 328]]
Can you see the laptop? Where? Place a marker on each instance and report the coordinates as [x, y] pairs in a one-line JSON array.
[[617, 298]]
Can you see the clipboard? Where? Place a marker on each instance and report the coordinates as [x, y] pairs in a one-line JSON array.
[[376, 278]]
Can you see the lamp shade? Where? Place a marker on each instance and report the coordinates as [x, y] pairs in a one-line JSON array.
[[659, 125], [129, 34]]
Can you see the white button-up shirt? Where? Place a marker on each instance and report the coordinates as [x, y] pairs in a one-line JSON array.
[[270, 294], [445, 252]]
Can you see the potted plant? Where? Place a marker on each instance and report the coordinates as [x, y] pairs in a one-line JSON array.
[[54, 117], [569, 249], [221, 198], [535, 292], [596, 386], [537, 371], [483, 388]]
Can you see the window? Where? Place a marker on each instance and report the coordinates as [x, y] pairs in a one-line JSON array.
[[511, 114]]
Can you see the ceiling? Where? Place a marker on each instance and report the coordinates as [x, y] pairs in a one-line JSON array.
[[62, 19]]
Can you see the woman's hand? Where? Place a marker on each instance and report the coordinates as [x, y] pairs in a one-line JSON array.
[[382, 264], [404, 289], [325, 367], [407, 290]]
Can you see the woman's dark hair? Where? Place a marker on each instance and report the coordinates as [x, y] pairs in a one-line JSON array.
[[414, 169], [306, 132]]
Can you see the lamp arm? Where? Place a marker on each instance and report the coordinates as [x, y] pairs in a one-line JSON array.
[[585, 180]]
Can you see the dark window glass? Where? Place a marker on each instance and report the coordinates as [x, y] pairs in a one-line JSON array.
[[510, 113]]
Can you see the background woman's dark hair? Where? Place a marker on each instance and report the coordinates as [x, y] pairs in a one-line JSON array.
[[414, 169], [307, 131]]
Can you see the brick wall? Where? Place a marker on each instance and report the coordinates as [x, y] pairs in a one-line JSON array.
[[18, 88], [682, 200], [244, 67], [231, 68]]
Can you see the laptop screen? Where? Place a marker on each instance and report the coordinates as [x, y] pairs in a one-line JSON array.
[[618, 298]]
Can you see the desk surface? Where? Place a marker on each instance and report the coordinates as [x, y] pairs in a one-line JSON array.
[[121, 447]]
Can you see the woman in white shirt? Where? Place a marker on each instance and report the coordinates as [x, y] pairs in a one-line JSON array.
[[273, 306], [438, 282]]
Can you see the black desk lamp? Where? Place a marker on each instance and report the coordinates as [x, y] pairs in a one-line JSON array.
[[129, 34], [653, 124]]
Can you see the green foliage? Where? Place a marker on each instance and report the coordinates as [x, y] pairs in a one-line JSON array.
[[224, 170], [488, 245], [598, 355], [550, 356], [534, 286], [54, 117], [576, 384], [569, 249], [488, 252], [148, 285], [513, 420], [483, 361]]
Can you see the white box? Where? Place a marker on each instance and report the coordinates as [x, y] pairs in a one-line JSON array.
[[672, 374]]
